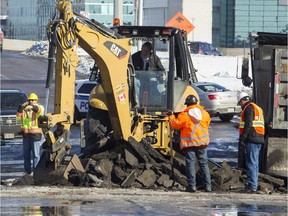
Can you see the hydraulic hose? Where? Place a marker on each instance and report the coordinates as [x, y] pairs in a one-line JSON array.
[[51, 64]]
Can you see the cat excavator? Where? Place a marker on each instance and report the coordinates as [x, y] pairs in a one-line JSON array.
[[128, 106]]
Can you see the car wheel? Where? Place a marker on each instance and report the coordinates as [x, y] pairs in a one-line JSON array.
[[226, 117]]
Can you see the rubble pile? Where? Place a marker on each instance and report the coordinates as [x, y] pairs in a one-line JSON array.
[[138, 166], [141, 166]]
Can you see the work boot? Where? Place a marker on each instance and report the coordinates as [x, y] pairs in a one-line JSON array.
[[191, 189], [208, 189], [250, 191]]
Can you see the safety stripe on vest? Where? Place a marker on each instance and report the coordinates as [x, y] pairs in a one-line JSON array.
[[254, 123], [31, 130], [33, 123], [195, 140]]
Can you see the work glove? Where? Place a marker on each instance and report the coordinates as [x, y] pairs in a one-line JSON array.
[[25, 104], [22, 106], [20, 109], [169, 113], [35, 109]]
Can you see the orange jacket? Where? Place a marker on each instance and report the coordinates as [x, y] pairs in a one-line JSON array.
[[193, 123]]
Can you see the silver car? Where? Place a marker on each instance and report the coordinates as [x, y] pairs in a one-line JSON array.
[[217, 100]]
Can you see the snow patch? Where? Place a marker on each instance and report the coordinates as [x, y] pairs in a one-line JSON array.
[[218, 69]]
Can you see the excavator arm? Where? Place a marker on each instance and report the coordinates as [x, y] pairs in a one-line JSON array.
[[111, 53]]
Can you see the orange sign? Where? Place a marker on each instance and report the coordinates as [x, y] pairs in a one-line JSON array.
[[181, 22]]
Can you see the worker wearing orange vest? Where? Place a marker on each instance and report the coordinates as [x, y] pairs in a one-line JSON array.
[[193, 123], [251, 137], [28, 113]]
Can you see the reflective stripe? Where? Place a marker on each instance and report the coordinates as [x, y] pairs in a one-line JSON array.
[[34, 122], [31, 130], [254, 124], [195, 140]]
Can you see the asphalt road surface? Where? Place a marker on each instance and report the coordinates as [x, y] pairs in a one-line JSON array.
[[29, 74]]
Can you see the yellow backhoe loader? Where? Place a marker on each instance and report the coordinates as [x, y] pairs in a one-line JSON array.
[[128, 106]]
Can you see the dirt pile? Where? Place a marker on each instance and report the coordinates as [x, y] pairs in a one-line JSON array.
[[140, 166]]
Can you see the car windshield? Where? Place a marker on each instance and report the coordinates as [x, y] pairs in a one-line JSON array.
[[86, 88], [11, 101], [212, 88]]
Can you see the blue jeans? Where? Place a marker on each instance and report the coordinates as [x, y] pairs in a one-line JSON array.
[[190, 158], [252, 164], [29, 145]]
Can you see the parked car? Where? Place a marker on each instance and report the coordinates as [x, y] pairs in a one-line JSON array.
[[204, 48], [10, 101], [82, 92], [217, 100]]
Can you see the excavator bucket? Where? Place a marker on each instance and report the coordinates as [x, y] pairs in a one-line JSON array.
[[48, 172]]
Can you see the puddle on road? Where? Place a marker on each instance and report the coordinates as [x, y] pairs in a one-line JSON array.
[[247, 210], [18, 206]]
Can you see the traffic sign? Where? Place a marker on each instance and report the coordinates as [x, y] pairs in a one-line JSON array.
[[181, 22]]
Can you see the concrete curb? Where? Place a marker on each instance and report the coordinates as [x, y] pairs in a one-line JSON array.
[[17, 45]]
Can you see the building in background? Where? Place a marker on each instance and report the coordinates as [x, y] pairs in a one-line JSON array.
[[28, 19], [4, 16], [199, 13], [102, 11], [224, 23], [234, 19]]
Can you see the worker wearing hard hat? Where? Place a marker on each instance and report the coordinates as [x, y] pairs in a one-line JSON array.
[[251, 137], [193, 123], [146, 60], [28, 113]]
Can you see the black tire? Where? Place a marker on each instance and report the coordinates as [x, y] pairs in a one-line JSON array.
[[226, 117]]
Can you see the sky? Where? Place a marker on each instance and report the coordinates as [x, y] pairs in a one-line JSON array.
[[218, 69]]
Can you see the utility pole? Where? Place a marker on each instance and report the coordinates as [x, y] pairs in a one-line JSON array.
[[139, 17], [140, 13], [118, 10]]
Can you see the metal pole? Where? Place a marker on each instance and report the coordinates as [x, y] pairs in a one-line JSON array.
[[140, 13], [136, 12], [140, 19], [118, 10]]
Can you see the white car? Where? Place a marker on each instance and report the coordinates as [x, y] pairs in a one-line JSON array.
[[82, 92], [217, 100]]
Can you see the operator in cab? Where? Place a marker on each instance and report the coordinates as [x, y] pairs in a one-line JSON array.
[[150, 81], [146, 60], [28, 113]]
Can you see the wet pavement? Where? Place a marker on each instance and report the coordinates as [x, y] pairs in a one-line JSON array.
[[95, 201], [32, 200]]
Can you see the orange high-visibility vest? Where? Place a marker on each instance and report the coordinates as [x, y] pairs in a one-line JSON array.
[[257, 123], [29, 120], [193, 133]]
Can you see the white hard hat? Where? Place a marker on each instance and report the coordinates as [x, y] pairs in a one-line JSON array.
[[241, 96]]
